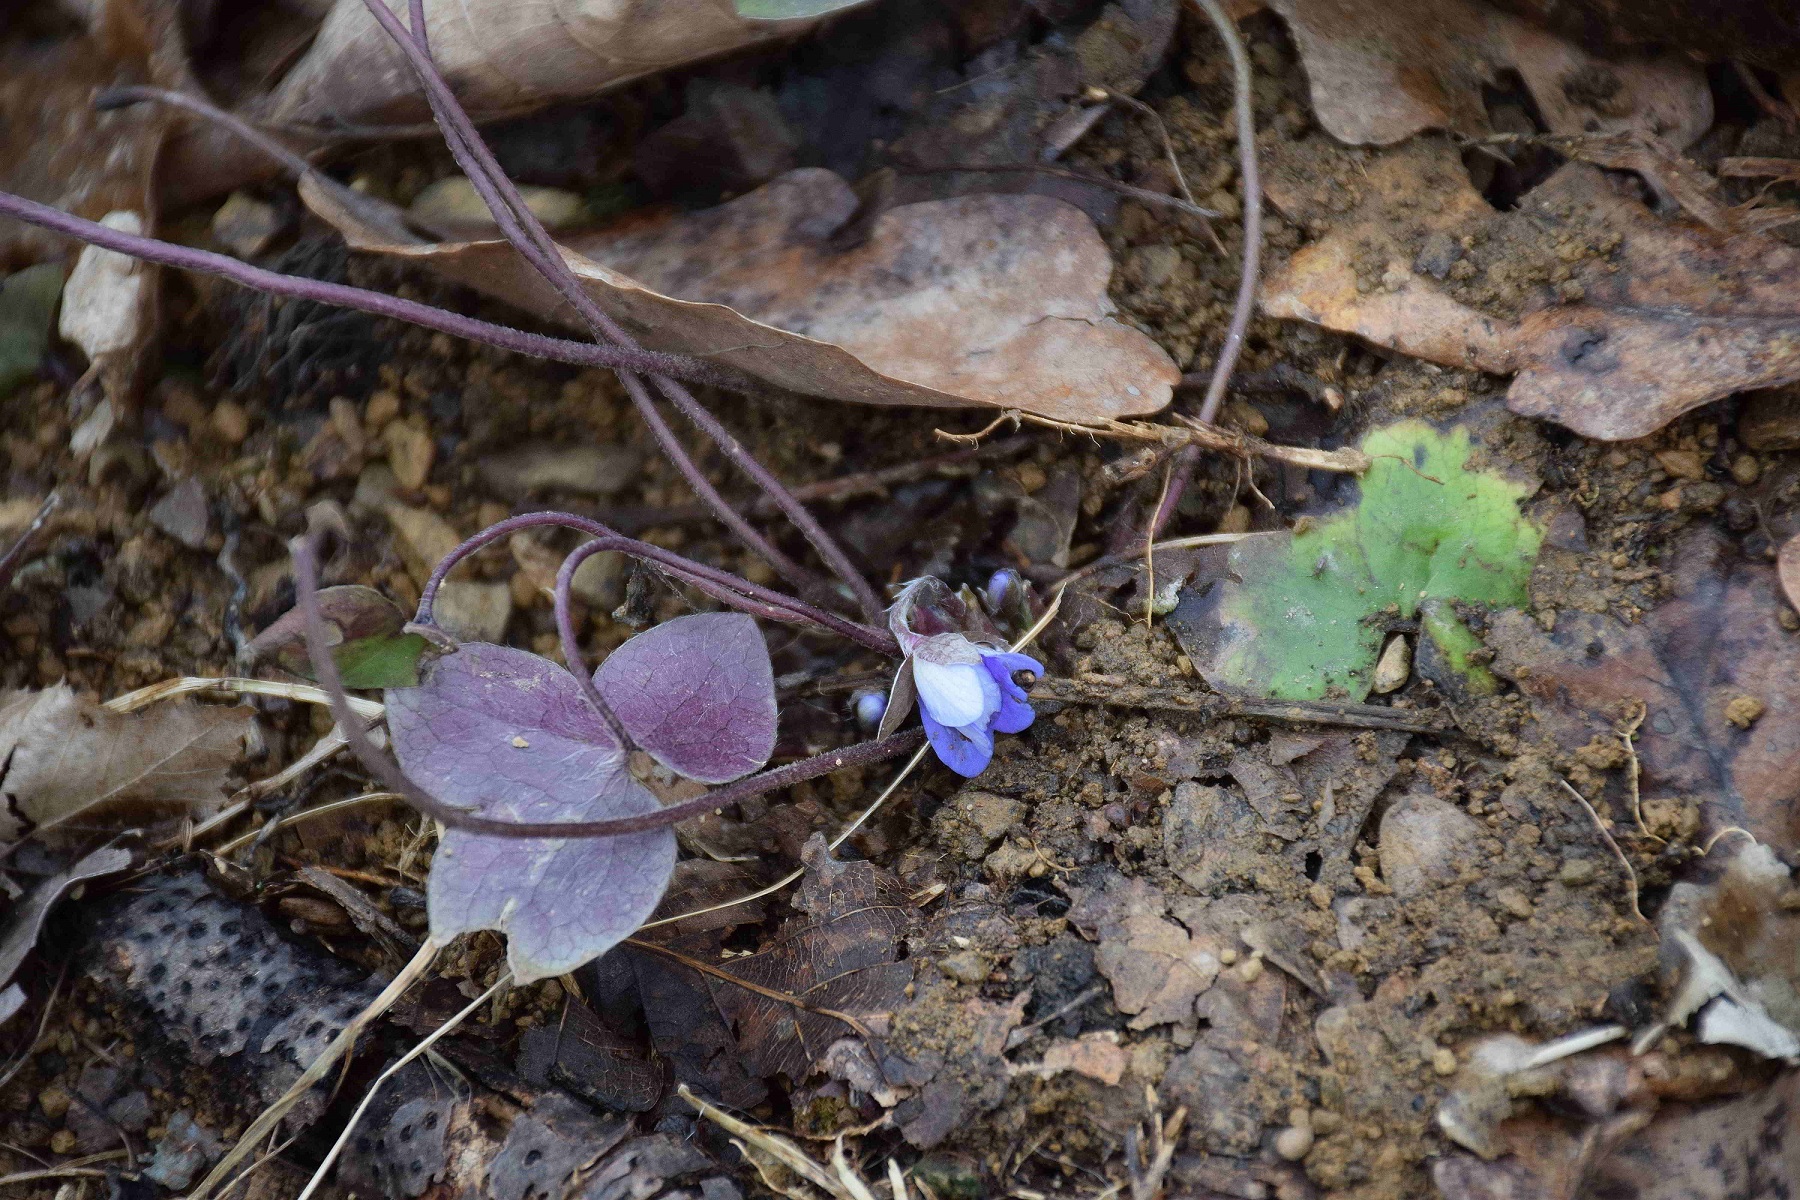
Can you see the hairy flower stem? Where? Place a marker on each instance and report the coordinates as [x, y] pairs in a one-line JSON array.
[[522, 227], [721, 585], [356, 734]]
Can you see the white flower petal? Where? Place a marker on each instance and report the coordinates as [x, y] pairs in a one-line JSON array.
[[954, 693]]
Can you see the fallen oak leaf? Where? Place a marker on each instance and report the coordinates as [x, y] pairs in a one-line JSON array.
[[1381, 71], [504, 58], [1692, 662], [64, 758], [1671, 315], [979, 300]]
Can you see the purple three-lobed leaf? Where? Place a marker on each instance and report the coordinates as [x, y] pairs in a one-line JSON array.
[[697, 693], [507, 734]]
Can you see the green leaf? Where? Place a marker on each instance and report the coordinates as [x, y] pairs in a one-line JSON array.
[[789, 10], [384, 661], [1296, 616], [27, 310]]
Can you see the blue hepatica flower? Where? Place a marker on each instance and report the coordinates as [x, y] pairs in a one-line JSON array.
[[966, 695]]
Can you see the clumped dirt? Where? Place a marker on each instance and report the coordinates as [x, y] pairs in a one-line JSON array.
[[1355, 907]]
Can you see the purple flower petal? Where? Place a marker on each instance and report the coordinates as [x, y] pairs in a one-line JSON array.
[[507, 734], [1014, 714], [957, 693], [698, 693], [966, 751]]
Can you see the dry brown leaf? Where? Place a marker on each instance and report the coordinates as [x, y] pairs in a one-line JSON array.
[[1383, 70], [26, 919], [1097, 1055], [65, 758], [1714, 651], [55, 147], [979, 300], [1671, 315], [502, 57], [1156, 967]]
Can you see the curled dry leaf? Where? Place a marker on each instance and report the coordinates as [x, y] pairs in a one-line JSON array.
[[65, 760], [26, 919], [1155, 966], [1715, 642], [1614, 320], [49, 127], [979, 300], [502, 57], [1382, 71]]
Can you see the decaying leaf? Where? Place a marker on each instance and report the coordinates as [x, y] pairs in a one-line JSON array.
[[1716, 641], [1381, 71], [841, 953], [1156, 967], [507, 734], [1295, 615], [49, 127], [27, 311], [109, 310], [501, 57], [1614, 320], [66, 761], [364, 628], [25, 921], [978, 300], [1739, 941]]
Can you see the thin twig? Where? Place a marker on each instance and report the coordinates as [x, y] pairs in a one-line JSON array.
[[721, 585], [307, 814], [1181, 471], [1631, 880], [21, 546], [522, 227], [768, 993], [1142, 195], [1248, 277]]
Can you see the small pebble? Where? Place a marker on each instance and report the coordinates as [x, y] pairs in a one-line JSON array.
[[1578, 872], [1746, 469], [1743, 711], [383, 407], [1394, 666], [1443, 1061], [966, 966], [1294, 1142], [410, 452], [1514, 901], [231, 422], [62, 1141]]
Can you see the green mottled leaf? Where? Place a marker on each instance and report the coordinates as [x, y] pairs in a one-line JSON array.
[[1297, 616], [27, 310], [385, 661], [789, 10]]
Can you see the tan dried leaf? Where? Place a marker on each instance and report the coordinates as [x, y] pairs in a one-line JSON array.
[[502, 57], [978, 301], [1098, 1055], [67, 759], [1656, 316], [1382, 71]]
